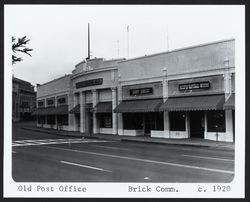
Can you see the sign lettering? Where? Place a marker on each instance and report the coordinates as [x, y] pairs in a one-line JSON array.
[[91, 82], [194, 86], [140, 91]]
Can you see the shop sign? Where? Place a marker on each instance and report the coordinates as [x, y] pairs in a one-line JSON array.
[[195, 86], [140, 91], [91, 82]]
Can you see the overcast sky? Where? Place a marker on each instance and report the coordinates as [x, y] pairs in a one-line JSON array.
[[59, 33]]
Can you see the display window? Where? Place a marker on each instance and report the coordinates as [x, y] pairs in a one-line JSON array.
[[105, 120], [177, 121], [132, 121], [216, 121], [41, 119], [51, 119], [63, 119]]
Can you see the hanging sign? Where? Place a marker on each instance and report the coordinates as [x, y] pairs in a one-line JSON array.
[[194, 86], [140, 91], [91, 82]]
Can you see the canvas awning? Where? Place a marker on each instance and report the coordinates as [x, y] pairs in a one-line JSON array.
[[104, 107], [139, 106], [52, 110], [230, 103], [75, 110], [209, 102]]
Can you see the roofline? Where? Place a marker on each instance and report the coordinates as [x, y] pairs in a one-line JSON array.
[[67, 75], [84, 61], [179, 49]]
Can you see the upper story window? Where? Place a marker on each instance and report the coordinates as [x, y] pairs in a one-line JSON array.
[[62, 100], [50, 102], [40, 103]]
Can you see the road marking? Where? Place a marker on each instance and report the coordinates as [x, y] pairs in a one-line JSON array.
[[146, 178], [205, 157], [148, 161], [22, 143], [84, 166], [14, 152], [118, 148], [186, 149]]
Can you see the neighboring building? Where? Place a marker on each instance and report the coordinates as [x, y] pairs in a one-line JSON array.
[[185, 93], [53, 104], [23, 100]]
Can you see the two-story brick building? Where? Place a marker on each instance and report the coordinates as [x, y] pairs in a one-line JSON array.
[[185, 93]]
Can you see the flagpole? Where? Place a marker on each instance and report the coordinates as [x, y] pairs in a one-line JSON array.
[[128, 41]]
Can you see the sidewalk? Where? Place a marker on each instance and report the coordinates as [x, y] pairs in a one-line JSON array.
[[144, 139]]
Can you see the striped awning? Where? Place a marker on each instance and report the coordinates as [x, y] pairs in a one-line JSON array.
[[60, 110], [209, 102], [75, 110], [230, 103], [139, 106], [104, 107]]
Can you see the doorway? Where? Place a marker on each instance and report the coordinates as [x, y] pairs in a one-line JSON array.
[[196, 124]]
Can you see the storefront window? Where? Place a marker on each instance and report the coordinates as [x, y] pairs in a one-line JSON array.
[[41, 119], [105, 120], [63, 119], [51, 119], [132, 121], [177, 121], [216, 121]]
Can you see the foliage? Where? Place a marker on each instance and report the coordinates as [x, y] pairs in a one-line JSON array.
[[19, 45]]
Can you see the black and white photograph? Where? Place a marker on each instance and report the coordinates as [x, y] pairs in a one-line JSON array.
[[130, 100]]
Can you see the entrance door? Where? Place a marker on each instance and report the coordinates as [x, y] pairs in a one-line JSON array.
[[196, 124]]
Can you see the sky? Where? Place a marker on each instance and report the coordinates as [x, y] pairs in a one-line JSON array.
[[58, 33]]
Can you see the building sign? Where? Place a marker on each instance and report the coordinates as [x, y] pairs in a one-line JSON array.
[[194, 86], [140, 91], [91, 82]]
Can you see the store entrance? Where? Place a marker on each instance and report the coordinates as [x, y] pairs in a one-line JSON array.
[[196, 124]]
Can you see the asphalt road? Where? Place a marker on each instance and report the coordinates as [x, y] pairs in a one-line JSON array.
[[41, 157]]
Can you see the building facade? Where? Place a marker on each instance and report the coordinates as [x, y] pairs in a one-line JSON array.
[[185, 93], [23, 100]]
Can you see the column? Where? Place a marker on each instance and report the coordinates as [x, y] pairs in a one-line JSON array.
[[119, 115], [75, 103], [95, 121], [228, 113], [114, 115], [56, 118], [205, 124], [229, 125], [227, 79], [82, 112], [165, 97]]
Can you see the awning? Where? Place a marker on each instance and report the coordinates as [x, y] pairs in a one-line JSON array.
[[139, 106], [75, 110], [212, 102], [52, 110], [230, 103], [104, 107]]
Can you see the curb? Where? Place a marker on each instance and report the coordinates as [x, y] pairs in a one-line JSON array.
[[51, 132], [126, 140], [162, 143]]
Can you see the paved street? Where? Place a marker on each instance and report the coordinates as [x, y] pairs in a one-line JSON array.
[[41, 157]]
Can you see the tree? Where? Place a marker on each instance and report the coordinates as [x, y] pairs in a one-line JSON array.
[[19, 45]]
